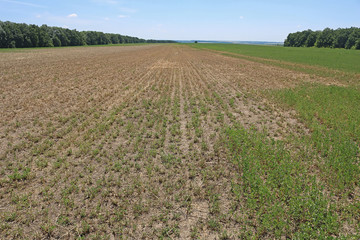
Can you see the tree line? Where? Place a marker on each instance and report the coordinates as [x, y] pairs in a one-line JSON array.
[[21, 35], [348, 38]]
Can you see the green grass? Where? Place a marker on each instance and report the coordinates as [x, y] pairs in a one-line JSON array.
[[336, 59], [335, 107], [291, 193], [275, 191], [333, 115]]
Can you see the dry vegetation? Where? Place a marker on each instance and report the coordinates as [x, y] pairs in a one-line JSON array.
[[127, 142]]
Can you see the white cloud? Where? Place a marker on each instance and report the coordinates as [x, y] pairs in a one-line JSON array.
[[73, 15], [122, 16], [106, 19], [241, 17], [38, 16]]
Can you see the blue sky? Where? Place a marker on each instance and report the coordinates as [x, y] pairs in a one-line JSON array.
[[246, 20]]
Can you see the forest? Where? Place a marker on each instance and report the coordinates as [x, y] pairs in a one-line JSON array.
[[21, 35], [348, 38]]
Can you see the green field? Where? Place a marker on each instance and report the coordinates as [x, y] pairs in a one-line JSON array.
[[336, 59], [330, 150], [326, 158]]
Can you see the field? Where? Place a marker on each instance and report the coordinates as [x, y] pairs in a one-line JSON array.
[[336, 59], [175, 142]]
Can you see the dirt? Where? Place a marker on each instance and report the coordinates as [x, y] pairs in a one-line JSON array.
[[123, 142]]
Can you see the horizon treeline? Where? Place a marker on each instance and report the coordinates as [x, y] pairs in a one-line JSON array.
[[348, 38], [22, 35]]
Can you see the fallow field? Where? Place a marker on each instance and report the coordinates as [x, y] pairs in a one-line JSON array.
[[178, 142]]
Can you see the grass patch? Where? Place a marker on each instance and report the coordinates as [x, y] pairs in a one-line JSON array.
[[278, 196], [333, 115]]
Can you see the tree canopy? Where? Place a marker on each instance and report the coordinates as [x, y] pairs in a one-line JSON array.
[[21, 35], [348, 38]]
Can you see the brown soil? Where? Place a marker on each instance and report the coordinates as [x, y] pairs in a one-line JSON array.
[[123, 141]]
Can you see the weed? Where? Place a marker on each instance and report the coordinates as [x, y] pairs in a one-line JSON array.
[[10, 217], [169, 160], [214, 225], [63, 220], [48, 228], [20, 175]]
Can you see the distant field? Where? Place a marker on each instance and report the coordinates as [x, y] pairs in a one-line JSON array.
[[337, 59]]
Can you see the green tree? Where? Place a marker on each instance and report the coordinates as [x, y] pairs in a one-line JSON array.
[[339, 38], [8, 40], [114, 39], [311, 39], [357, 44], [325, 38], [22, 35], [44, 37], [34, 35], [290, 40], [25, 30], [353, 37], [3, 36], [56, 41]]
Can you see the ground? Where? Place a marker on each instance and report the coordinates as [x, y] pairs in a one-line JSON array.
[[128, 142]]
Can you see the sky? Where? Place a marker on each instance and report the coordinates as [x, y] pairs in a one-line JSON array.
[[236, 20]]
